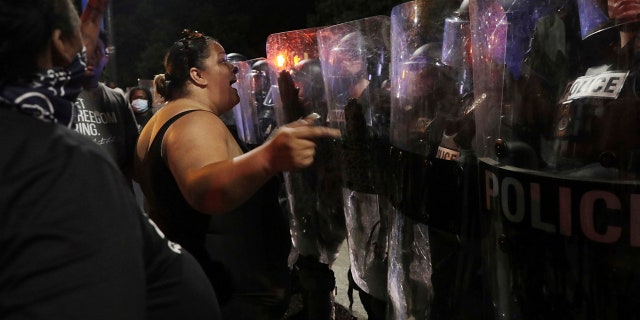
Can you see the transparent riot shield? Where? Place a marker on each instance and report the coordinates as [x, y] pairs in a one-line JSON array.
[[355, 63], [315, 202], [317, 221], [262, 91], [285, 52], [433, 165], [246, 112], [229, 117], [558, 141]]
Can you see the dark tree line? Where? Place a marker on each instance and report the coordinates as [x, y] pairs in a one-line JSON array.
[[143, 30]]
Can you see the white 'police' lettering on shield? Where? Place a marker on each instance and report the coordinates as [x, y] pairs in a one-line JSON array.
[[603, 85], [518, 199]]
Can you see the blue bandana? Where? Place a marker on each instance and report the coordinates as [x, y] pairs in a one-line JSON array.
[[49, 95]]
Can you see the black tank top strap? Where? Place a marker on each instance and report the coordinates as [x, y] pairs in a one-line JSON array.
[[157, 140]]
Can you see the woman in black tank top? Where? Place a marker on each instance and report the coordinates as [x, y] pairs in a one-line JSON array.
[[196, 177]]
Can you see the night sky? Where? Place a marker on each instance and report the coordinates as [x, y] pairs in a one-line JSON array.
[[143, 30]]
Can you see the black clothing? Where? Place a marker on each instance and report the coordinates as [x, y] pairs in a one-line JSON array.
[[246, 250], [375, 308], [73, 244], [143, 118]]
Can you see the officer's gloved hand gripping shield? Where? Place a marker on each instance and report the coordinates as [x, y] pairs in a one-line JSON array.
[[558, 142]]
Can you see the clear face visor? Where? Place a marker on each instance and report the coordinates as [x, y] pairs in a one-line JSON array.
[[421, 77], [347, 62], [309, 80], [345, 69], [347, 53]]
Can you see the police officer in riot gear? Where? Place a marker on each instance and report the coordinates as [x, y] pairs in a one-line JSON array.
[[317, 221], [560, 241], [261, 85], [434, 248], [318, 228], [355, 67]]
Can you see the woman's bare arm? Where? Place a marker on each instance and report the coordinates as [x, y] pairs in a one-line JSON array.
[[213, 178]]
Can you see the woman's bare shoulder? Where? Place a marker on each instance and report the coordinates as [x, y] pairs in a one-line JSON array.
[[196, 126], [195, 140]]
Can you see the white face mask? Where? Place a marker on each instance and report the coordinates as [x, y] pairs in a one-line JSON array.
[[140, 105]]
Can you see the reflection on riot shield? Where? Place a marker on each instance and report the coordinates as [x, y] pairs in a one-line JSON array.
[[245, 113], [594, 136], [355, 59], [559, 158], [560, 248], [371, 235], [229, 117], [254, 115], [356, 66], [309, 81], [261, 85], [410, 270], [317, 222], [433, 164], [318, 227]]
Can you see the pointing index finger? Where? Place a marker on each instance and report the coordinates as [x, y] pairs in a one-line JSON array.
[[311, 132]]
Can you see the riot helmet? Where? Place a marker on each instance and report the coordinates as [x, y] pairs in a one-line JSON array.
[[422, 69], [260, 81], [307, 75], [235, 57], [350, 54]]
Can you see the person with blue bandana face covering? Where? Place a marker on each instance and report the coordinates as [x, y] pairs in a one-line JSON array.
[[73, 244], [50, 94]]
